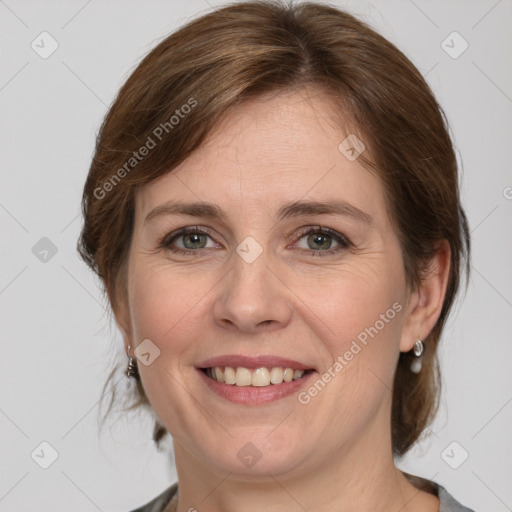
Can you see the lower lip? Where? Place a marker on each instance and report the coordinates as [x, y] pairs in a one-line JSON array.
[[254, 395]]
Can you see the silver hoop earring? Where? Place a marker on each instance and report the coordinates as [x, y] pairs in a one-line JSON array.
[[418, 351], [131, 370]]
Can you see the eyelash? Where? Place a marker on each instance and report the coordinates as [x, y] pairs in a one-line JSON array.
[[343, 242]]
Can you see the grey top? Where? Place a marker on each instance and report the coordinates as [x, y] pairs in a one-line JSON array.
[[447, 502]]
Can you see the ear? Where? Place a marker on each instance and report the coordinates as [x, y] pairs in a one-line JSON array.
[[426, 302]]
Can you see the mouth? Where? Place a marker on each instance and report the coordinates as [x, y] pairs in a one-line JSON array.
[[262, 380], [254, 377], [254, 380]]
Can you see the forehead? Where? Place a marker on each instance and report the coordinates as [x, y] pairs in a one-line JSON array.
[[273, 149]]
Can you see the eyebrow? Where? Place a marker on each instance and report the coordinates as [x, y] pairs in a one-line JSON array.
[[288, 210]]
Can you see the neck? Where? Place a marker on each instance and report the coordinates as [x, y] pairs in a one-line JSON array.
[[361, 477]]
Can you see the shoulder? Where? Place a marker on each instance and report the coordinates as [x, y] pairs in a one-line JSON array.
[[159, 503], [447, 503]]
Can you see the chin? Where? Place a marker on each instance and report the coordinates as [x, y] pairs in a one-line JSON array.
[[255, 456]]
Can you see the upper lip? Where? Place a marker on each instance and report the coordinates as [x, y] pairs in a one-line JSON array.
[[254, 362]]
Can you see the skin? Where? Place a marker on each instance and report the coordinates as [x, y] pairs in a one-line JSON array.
[[333, 453]]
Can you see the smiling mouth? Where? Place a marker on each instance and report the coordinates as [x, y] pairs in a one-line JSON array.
[[255, 377]]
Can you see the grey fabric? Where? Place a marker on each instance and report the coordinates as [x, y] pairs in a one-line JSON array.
[[161, 501], [447, 502]]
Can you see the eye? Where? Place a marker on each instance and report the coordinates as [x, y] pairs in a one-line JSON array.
[[322, 241], [317, 240], [188, 240]]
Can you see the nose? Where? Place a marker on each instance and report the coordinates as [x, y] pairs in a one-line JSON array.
[[253, 298]]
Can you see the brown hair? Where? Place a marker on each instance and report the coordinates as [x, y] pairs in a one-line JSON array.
[[242, 51]]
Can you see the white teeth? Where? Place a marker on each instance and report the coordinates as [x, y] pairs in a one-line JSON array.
[[243, 377], [297, 374], [288, 375], [229, 375], [276, 376], [218, 374], [261, 377], [258, 377]]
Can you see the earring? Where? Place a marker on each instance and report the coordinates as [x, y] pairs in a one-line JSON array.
[[418, 348], [418, 351], [132, 371]]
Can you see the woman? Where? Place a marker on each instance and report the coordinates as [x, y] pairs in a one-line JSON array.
[[274, 211]]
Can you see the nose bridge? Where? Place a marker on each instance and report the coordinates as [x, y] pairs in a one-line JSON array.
[[252, 296], [250, 268]]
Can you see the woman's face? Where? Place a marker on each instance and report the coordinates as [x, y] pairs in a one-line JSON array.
[[322, 289]]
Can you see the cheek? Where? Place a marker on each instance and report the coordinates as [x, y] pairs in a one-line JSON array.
[[163, 301], [358, 313], [354, 302], [359, 320], [166, 308]]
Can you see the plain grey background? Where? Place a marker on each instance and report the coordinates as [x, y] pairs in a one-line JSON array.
[[57, 342]]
